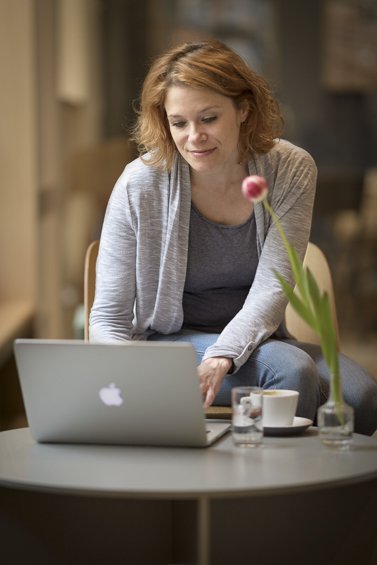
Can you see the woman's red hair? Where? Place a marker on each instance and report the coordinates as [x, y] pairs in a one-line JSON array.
[[212, 65]]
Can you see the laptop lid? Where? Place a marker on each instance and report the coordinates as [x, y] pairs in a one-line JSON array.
[[131, 393]]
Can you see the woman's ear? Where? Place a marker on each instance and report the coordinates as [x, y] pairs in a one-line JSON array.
[[244, 110]]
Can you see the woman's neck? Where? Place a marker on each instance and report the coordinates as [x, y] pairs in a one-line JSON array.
[[221, 181], [219, 198]]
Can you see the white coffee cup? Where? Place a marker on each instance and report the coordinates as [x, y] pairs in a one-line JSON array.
[[279, 407]]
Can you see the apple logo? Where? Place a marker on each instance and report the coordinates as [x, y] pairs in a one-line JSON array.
[[111, 395]]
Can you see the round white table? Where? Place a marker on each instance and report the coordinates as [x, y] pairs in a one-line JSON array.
[[207, 505]]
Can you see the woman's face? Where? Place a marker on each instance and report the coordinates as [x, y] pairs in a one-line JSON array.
[[205, 127]]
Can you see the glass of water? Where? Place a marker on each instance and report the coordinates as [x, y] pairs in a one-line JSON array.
[[247, 416]]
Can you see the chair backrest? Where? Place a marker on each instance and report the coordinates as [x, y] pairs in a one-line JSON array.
[[314, 259], [89, 282]]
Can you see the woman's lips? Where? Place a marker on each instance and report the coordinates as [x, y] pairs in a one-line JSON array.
[[201, 153]]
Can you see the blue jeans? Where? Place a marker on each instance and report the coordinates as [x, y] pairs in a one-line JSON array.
[[293, 365]]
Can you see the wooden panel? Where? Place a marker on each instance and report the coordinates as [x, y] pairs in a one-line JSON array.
[[17, 151], [350, 46]]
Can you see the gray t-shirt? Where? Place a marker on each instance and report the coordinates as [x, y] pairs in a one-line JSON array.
[[221, 266]]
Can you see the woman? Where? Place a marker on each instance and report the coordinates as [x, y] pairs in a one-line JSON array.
[[184, 256]]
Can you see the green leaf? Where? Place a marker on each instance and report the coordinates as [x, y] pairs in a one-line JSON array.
[[314, 293], [296, 302], [328, 333], [297, 269], [328, 341]]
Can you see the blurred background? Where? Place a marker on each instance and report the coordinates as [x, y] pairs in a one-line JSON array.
[[70, 73]]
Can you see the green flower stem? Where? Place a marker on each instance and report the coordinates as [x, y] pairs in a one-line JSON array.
[[314, 308], [274, 217]]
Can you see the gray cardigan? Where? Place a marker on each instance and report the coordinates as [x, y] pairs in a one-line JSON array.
[[141, 265]]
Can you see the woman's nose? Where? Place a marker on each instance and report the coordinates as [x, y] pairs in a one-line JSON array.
[[197, 135]]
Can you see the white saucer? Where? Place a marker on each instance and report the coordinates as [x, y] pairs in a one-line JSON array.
[[299, 425]]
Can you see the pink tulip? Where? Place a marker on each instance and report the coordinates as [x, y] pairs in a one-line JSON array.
[[254, 188]]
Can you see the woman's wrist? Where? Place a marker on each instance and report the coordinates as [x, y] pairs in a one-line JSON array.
[[232, 366]]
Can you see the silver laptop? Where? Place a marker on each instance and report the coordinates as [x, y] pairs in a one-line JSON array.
[[133, 393]]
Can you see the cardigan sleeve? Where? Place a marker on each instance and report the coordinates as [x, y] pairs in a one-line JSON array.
[[112, 312], [141, 265], [291, 177]]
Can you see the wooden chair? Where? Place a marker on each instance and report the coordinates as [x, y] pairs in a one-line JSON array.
[[89, 282], [314, 259]]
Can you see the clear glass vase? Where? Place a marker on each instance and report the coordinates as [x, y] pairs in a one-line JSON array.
[[335, 423]]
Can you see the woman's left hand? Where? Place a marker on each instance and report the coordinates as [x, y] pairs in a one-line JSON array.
[[211, 373]]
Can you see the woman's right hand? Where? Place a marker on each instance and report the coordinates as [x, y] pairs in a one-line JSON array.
[[211, 374]]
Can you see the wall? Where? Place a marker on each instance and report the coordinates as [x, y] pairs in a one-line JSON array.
[[18, 168]]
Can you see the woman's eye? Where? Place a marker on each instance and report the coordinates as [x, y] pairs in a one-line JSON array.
[[178, 124], [209, 119]]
